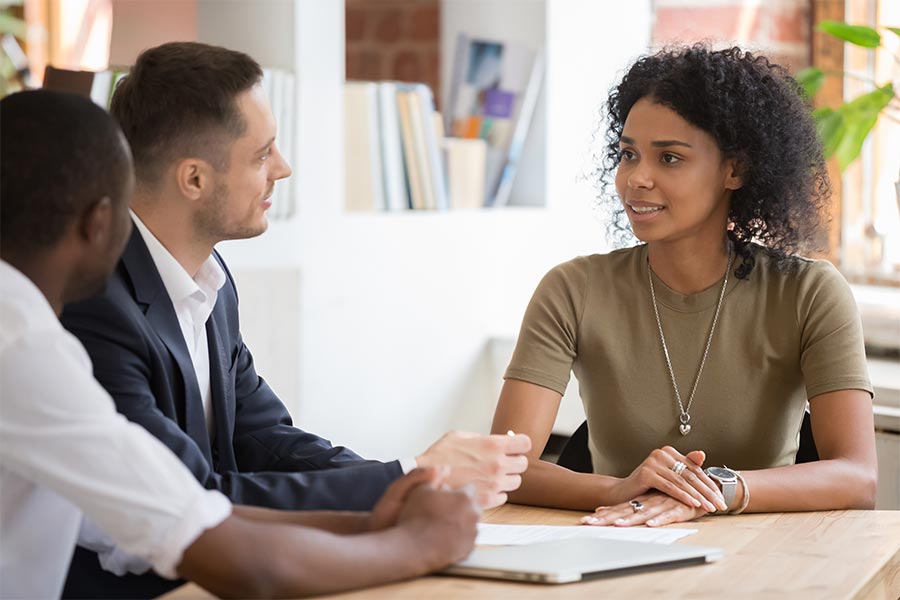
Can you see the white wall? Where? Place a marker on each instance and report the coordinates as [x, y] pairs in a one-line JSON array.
[[397, 310], [386, 346]]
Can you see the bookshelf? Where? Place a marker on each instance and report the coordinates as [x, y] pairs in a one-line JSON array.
[[386, 319]]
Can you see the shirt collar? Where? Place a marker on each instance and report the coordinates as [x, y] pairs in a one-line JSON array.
[[178, 282]]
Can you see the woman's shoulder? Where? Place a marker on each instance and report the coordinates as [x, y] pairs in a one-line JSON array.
[[582, 269], [804, 270], [615, 260]]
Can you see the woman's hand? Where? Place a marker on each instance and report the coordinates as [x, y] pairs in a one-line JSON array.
[[691, 486], [655, 509]]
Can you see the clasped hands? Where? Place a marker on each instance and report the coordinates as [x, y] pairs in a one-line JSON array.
[[655, 494]]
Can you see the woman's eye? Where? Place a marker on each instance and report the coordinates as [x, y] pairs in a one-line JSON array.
[[626, 155], [670, 159]]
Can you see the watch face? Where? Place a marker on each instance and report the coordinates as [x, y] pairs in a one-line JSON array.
[[720, 473]]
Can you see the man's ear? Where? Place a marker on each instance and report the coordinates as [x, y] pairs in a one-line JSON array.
[[97, 222], [734, 174], [193, 177]]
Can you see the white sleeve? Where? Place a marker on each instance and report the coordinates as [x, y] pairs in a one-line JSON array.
[[59, 428], [111, 557]]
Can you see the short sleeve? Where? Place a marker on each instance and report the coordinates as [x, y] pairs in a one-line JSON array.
[[832, 351], [548, 339]]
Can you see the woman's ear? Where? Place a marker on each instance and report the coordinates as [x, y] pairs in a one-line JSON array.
[[734, 174]]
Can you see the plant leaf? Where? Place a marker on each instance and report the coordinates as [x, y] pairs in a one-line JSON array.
[[831, 128], [13, 25], [811, 80], [871, 102], [859, 35], [896, 30], [851, 144]]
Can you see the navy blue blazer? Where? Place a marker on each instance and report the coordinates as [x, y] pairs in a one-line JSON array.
[[132, 335]]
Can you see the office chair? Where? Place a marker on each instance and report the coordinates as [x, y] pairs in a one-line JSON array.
[[576, 456]]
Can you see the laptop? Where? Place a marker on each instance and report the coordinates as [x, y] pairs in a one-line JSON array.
[[576, 559]]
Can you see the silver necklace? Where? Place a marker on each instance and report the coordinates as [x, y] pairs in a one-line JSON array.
[[685, 417]]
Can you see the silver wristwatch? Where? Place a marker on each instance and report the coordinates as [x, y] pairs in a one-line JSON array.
[[728, 480]]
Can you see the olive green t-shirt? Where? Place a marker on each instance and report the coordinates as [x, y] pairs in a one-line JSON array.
[[781, 338]]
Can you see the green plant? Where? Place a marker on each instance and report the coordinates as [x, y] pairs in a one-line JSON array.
[[11, 57], [844, 129]]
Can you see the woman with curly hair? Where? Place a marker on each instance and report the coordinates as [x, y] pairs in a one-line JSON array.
[[703, 344]]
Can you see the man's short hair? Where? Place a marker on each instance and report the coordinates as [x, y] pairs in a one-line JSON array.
[[59, 153], [178, 101]]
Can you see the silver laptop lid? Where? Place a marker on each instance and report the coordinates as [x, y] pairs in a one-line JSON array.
[[564, 561]]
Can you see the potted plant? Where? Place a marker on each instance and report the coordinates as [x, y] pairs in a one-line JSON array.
[[845, 128]]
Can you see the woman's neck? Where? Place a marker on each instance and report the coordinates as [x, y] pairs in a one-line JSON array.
[[688, 267]]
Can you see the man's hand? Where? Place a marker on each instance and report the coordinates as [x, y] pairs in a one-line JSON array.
[[441, 522], [387, 511], [492, 463]]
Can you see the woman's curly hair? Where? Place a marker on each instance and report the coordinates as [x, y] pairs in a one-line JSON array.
[[756, 113]]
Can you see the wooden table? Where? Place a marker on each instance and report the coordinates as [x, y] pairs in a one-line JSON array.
[[819, 555]]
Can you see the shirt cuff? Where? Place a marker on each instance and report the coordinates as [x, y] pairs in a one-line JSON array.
[[407, 464], [208, 511]]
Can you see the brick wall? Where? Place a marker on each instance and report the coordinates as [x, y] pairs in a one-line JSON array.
[[394, 39], [778, 28]]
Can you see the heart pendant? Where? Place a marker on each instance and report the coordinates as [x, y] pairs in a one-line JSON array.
[[684, 428]]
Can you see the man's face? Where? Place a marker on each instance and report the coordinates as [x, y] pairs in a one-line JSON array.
[[236, 208]]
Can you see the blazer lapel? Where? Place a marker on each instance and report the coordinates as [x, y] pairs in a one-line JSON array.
[[150, 293], [222, 389]]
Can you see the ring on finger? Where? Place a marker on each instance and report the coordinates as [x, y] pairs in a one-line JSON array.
[[636, 506], [679, 467]]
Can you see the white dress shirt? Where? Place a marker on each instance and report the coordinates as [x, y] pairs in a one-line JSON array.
[[193, 299], [65, 450]]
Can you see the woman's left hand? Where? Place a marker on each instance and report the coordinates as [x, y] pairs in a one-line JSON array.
[[656, 509]]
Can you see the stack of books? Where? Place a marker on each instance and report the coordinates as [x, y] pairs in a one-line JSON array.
[[392, 141]]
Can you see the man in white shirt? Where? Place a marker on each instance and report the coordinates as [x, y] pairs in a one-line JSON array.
[[165, 337], [65, 180]]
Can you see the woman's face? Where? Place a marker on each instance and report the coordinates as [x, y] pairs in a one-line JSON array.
[[672, 178]]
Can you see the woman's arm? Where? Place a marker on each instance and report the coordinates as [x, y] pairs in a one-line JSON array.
[[846, 474], [531, 409], [844, 477]]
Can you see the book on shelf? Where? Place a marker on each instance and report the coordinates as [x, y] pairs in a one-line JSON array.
[[492, 95], [465, 160], [392, 155], [396, 188], [362, 147]]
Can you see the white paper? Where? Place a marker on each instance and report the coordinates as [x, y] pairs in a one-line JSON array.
[[515, 535]]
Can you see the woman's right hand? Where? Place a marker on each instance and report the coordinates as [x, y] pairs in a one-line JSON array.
[[692, 487]]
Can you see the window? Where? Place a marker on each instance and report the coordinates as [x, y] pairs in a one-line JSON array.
[[870, 216]]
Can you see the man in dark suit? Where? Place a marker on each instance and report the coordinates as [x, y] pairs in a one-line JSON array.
[[165, 339]]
